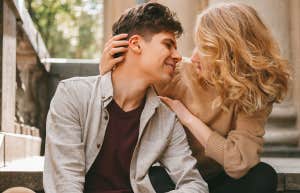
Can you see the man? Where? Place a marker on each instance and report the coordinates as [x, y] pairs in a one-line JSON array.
[[105, 132]]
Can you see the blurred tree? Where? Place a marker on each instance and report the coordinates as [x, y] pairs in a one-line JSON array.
[[70, 28]]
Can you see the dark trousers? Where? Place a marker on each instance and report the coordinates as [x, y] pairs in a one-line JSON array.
[[262, 178]]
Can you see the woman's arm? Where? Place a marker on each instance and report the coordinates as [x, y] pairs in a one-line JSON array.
[[238, 151]]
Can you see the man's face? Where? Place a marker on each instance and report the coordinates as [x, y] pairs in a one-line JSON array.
[[159, 57]]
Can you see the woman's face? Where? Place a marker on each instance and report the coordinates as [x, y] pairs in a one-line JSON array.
[[198, 59]]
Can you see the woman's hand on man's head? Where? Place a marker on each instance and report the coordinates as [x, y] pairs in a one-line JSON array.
[[113, 53]]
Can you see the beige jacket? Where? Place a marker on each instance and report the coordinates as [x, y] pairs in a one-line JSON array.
[[76, 125], [237, 138]]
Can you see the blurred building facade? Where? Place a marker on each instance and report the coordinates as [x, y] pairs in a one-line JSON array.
[[24, 80]]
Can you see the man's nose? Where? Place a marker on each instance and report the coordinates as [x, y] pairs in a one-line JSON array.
[[176, 56]]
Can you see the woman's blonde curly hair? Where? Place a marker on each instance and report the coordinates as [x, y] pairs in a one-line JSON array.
[[244, 62]]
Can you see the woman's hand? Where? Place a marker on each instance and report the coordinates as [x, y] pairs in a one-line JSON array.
[[116, 45], [199, 129], [183, 114]]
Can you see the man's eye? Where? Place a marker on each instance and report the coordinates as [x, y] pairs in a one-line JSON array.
[[169, 46]]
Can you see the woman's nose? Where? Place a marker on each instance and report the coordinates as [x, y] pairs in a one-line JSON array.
[[195, 56]]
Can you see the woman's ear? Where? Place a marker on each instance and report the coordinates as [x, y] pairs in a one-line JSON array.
[[134, 43]]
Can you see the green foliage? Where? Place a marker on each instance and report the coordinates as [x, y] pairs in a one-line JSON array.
[[70, 28]]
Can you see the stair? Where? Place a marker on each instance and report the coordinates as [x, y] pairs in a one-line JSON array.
[[281, 127]]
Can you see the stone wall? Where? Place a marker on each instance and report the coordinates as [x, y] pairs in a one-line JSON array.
[[32, 91], [8, 66], [1, 49], [24, 80]]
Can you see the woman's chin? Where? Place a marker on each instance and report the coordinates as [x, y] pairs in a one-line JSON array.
[[199, 72]]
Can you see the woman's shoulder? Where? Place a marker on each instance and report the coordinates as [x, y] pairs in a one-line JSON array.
[[263, 113]]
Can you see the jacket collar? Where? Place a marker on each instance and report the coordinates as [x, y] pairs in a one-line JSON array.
[[106, 88]]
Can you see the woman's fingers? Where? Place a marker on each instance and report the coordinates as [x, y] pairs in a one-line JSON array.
[[115, 38], [175, 105], [167, 100], [118, 60], [107, 66], [121, 43], [117, 50], [183, 114], [119, 37], [114, 45]]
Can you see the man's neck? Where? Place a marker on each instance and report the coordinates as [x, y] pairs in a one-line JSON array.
[[129, 87]]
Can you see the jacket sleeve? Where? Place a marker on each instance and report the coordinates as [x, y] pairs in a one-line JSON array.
[[240, 150], [64, 169], [181, 165]]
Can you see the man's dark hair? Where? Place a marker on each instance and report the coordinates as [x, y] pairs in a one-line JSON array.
[[148, 19]]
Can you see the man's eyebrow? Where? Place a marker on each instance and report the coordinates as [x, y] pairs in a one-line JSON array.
[[171, 41]]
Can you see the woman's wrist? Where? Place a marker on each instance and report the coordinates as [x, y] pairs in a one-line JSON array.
[[199, 129], [189, 120]]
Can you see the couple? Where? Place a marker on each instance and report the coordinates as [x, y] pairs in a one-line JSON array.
[[113, 134]]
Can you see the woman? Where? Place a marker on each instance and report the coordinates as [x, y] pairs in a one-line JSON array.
[[224, 98]]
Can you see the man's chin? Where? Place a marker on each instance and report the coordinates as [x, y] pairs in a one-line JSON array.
[[166, 78]]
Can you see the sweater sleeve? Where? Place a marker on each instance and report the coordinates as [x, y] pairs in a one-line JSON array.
[[240, 149]]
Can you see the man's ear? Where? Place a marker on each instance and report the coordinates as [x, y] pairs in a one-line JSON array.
[[135, 43]]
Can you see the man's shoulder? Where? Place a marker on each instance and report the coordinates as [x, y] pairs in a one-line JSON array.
[[82, 81], [82, 85], [78, 89]]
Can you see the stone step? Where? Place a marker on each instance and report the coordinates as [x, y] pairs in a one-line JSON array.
[[281, 151], [67, 68], [288, 170], [19, 146], [2, 146], [281, 126], [290, 137], [283, 112], [28, 173]]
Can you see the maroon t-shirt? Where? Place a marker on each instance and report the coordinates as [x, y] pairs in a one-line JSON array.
[[110, 171]]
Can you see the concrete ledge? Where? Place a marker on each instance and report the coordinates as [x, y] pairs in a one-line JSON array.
[[282, 151], [32, 180], [29, 173], [19, 146], [26, 172], [282, 137], [287, 112], [288, 170], [2, 150]]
